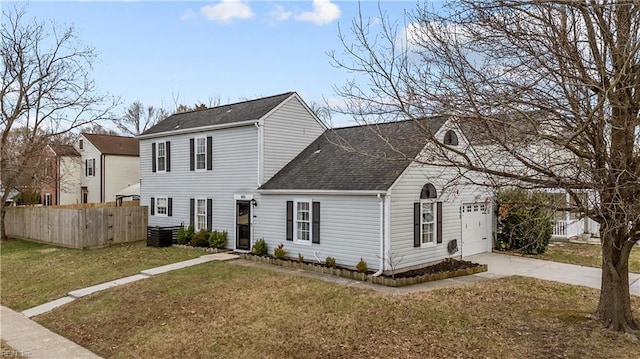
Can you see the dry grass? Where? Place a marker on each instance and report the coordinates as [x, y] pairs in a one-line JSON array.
[[584, 254], [226, 311], [34, 273]]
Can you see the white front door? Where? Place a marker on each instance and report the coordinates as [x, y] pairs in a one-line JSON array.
[[474, 228]]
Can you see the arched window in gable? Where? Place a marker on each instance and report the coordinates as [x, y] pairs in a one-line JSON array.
[[450, 138], [428, 192]]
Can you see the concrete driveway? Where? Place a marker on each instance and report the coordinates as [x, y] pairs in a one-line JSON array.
[[506, 265]]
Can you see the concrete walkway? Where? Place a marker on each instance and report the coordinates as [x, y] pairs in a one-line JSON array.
[[506, 265], [35, 341]]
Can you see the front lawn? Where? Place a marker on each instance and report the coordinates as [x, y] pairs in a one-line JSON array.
[[222, 310], [34, 273], [584, 254]]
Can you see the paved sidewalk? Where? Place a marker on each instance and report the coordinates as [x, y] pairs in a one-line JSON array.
[[506, 265], [36, 341]]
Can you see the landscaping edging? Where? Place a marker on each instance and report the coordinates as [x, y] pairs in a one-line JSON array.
[[351, 274]]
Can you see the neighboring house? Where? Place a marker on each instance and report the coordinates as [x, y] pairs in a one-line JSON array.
[[204, 167], [109, 164], [62, 169], [360, 192]]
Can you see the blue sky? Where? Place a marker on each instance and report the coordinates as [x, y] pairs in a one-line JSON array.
[[154, 52]]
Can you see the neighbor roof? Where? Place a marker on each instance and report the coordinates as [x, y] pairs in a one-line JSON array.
[[114, 145], [64, 150], [369, 157], [235, 112]]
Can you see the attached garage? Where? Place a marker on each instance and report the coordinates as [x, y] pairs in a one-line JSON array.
[[475, 222]]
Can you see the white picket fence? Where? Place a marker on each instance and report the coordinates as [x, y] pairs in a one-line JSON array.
[[575, 227]]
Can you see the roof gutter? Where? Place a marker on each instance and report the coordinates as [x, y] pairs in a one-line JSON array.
[[198, 129], [323, 192]]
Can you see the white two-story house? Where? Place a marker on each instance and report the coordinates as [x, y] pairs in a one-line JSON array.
[[204, 167], [109, 164]]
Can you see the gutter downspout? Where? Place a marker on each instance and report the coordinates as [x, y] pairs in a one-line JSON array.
[[260, 170], [382, 230]]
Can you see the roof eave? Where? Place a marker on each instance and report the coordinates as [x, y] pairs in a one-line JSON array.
[[198, 129], [323, 192]]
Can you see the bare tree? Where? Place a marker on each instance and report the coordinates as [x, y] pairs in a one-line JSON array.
[[548, 92], [323, 112], [46, 92], [138, 118], [98, 129]]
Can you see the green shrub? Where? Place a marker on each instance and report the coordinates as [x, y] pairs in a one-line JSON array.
[[330, 262], [362, 266], [260, 248], [524, 221], [280, 252], [300, 258], [201, 238], [218, 239], [184, 235]]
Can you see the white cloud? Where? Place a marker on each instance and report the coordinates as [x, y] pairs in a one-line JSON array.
[[324, 12], [279, 13], [227, 10]]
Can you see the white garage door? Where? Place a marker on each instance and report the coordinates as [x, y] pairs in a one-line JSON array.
[[474, 228]]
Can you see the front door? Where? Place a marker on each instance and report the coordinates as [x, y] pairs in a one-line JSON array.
[[243, 225]]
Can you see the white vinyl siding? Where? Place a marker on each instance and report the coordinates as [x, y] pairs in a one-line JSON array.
[[120, 172], [235, 155], [289, 130], [406, 192], [88, 152], [349, 228]]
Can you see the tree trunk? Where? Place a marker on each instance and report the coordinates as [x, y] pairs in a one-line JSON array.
[[3, 211], [614, 307]]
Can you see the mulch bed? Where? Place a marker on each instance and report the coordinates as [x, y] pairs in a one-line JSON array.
[[448, 265]]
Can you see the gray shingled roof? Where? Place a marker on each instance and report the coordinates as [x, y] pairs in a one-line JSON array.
[[356, 158], [235, 112]]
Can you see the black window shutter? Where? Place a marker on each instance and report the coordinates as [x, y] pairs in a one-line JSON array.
[[153, 157], [209, 213], [167, 153], [209, 153], [315, 225], [192, 210], [439, 222], [192, 161], [289, 220], [86, 168], [153, 206], [94, 166], [169, 207], [416, 224]]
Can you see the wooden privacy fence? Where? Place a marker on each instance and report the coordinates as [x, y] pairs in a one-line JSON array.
[[78, 228]]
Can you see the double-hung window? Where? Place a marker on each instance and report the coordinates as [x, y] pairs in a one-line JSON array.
[[91, 170], [161, 156], [427, 222], [303, 221], [161, 206], [201, 153], [201, 214]]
